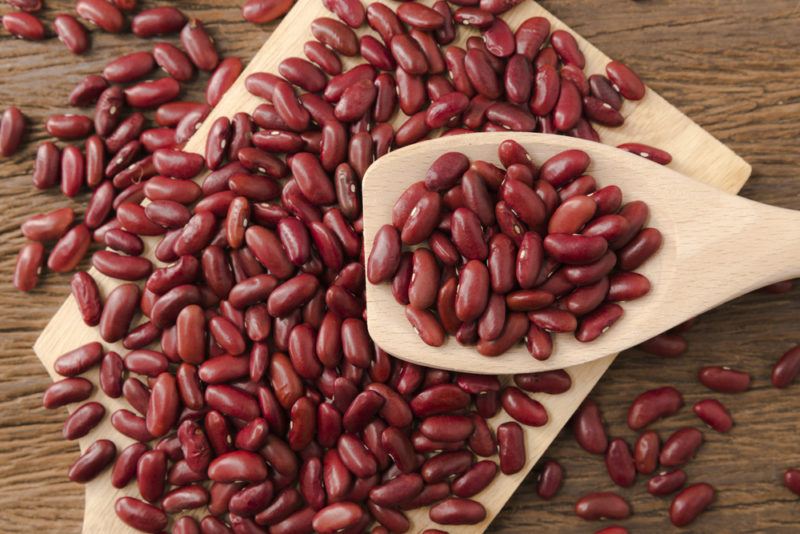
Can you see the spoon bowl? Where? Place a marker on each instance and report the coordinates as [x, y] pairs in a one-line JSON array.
[[716, 246]]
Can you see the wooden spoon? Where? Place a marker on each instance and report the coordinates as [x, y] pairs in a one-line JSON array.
[[716, 247]]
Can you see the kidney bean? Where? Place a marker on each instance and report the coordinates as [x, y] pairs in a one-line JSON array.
[[28, 266], [666, 482], [124, 469], [515, 328], [157, 21], [12, 128], [80, 360], [199, 45], [93, 461], [151, 94], [724, 379], [714, 414], [680, 447], [588, 428], [66, 391], [111, 369], [457, 511], [665, 345], [102, 14], [477, 478], [690, 503], [237, 466], [786, 368], [47, 166], [83, 420], [653, 404], [523, 408], [151, 471], [222, 79], [646, 451], [69, 250], [598, 321], [620, 463], [602, 505], [140, 515], [263, 11], [24, 26]]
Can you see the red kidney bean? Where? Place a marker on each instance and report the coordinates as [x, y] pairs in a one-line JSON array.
[[176, 64], [549, 480], [73, 171], [263, 11], [662, 157], [335, 35], [523, 408], [714, 414], [596, 322], [28, 266], [12, 128], [31, 6], [151, 470], [69, 126], [602, 505], [666, 482], [627, 286], [93, 461], [157, 21], [625, 80], [118, 311], [199, 45], [653, 404], [140, 515], [222, 79], [511, 443], [150, 94], [690, 503], [724, 379], [129, 68], [680, 447], [457, 511], [551, 382], [665, 345], [102, 14], [237, 466], [66, 391], [24, 26], [124, 469], [80, 360], [639, 249], [588, 428], [786, 368], [646, 451], [47, 166], [620, 463], [69, 250], [791, 479], [111, 369]]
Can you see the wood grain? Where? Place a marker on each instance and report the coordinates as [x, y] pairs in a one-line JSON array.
[[651, 120], [737, 81]]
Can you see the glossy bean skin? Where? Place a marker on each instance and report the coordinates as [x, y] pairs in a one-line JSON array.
[[786, 368], [666, 482], [620, 463], [690, 503], [550, 480], [93, 461], [140, 515], [588, 428], [457, 511], [653, 404], [680, 447], [646, 451], [724, 379], [602, 505], [714, 414]]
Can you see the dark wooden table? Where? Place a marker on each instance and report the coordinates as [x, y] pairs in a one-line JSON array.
[[732, 66]]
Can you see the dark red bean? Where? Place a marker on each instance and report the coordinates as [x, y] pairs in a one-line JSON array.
[[657, 155], [102, 14], [654, 404], [690, 503], [263, 11], [199, 45], [620, 463], [588, 428], [714, 414], [786, 368], [549, 480], [680, 447], [625, 80], [457, 511], [24, 26], [28, 266], [602, 505], [176, 64], [646, 451], [140, 515], [523, 408], [724, 379], [93, 461]]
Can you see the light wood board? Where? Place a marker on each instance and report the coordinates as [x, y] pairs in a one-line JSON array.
[[651, 121]]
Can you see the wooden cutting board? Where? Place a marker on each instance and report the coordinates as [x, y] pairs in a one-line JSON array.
[[653, 121]]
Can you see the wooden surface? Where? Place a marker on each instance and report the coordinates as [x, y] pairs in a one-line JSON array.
[[738, 81], [651, 120], [708, 255]]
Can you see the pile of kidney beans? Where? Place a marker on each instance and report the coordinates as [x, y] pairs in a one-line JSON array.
[[488, 272], [255, 392]]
